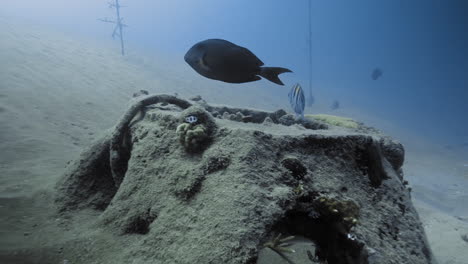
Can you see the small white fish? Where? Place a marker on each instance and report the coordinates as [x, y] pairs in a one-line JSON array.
[[297, 100], [191, 119]]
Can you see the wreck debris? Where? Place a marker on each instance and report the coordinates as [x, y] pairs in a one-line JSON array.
[[334, 187], [119, 153]]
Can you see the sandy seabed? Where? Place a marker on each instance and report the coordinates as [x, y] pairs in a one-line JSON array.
[[57, 94]]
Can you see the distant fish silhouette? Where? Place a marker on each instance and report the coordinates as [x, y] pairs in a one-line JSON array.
[[297, 100], [376, 74], [222, 60], [461, 145], [335, 105]]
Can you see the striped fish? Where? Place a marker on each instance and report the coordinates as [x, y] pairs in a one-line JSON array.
[[297, 100]]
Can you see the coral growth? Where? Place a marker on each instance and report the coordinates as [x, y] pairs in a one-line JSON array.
[[343, 212], [191, 136], [196, 130]]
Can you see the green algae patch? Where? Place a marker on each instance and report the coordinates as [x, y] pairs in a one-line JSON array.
[[335, 120]]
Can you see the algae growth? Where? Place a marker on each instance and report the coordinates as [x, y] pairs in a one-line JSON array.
[[335, 120]]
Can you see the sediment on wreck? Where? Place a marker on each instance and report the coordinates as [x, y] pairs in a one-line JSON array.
[[216, 184]]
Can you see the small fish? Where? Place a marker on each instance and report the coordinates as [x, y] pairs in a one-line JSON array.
[[222, 60], [335, 105], [351, 237], [376, 74], [191, 119], [297, 100]]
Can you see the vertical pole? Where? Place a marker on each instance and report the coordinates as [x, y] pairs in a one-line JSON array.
[[119, 24], [311, 97]]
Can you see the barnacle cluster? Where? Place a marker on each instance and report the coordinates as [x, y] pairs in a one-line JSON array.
[[345, 212]]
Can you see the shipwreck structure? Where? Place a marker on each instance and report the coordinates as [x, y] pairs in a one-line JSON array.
[[119, 25], [200, 183]]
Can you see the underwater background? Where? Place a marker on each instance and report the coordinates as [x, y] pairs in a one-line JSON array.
[[63, 80], [420, 45]]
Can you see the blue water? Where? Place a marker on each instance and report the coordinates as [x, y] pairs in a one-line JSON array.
[[420, 45]]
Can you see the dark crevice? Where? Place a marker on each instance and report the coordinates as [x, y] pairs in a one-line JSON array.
[[140, 224], [333, 241], [295, 166]]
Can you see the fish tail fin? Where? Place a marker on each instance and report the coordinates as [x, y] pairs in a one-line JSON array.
[[271, 74]]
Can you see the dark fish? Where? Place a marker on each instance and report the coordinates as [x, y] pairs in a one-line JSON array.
[[376, 73], [297, 100], [222, 60], [335, 105]]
